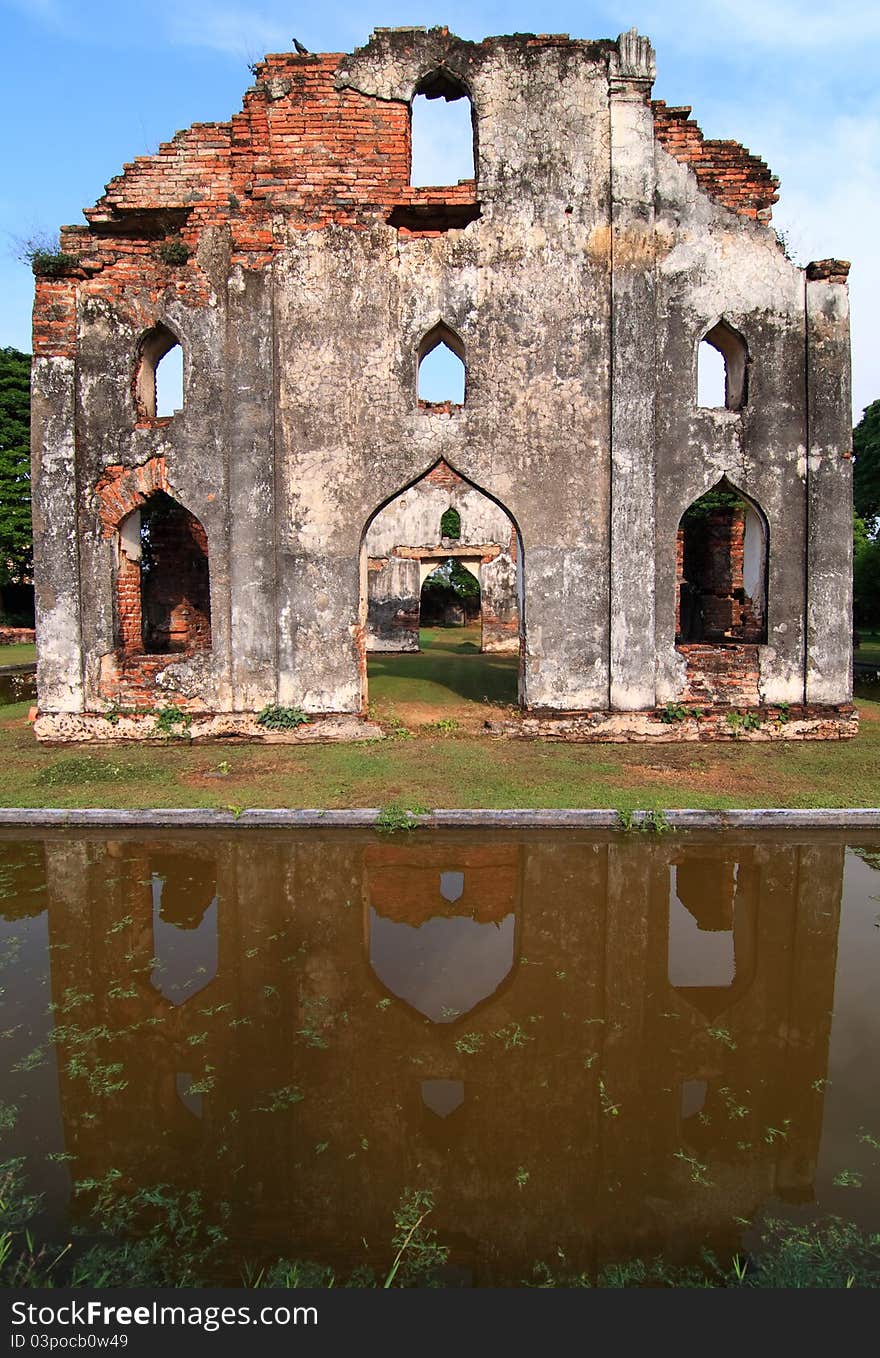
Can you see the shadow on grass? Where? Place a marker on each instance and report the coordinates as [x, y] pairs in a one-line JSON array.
[[450, 661]]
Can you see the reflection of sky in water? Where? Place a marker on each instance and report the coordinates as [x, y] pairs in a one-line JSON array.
[[693, 1097], [697, 957], [445, 966], [442, 1096], [187, 958], [451, 886], [30, 1066], [183, 1082]]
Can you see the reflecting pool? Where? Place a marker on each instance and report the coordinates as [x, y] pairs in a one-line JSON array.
[[585, 1046]]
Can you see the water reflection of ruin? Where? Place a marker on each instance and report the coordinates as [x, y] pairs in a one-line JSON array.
[[665, 1010]]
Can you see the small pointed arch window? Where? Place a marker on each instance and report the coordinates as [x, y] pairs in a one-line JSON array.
[[450, 524], [443, 130], [722, 369], [441, 378], [159, 394]]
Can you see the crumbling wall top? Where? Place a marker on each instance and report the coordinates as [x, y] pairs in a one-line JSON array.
[[324, 138], [725, 170]]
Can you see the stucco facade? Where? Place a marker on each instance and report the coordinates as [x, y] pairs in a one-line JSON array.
[[601, 240]]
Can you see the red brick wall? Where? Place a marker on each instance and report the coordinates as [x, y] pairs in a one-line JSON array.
[[721, 676], [443, 476], [318, 155], [128, 606], [709, 565], [175, 595], [728, 172]]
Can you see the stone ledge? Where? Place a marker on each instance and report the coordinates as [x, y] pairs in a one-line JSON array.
[[66, 728], [70, 728], [521, 818], [648, 728]]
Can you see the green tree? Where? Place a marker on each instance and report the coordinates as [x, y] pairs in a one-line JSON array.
[[16, 550], [866, 472], [454, 579], [866, 576], [450, 524]]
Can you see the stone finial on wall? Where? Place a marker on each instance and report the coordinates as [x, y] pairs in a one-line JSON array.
[[634, 59]]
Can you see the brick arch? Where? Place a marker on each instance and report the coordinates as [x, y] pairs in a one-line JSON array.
[[120, 490]]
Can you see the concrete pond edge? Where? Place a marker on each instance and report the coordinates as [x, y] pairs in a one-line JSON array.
[[181, 818]]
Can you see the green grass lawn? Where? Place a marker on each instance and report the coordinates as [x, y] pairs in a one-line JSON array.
[[869, 648], [432, 707], [19, 653], [448, 672]]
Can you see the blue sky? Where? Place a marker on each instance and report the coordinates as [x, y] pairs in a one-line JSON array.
[[88, 85]]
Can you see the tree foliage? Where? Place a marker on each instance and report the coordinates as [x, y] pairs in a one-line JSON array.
[[866, 576], [450, 524], [16, 552], [454, 579], [720, 497], [866, 524], [866, 472]]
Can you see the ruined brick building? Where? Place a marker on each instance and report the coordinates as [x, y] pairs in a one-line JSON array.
[[654, 551]]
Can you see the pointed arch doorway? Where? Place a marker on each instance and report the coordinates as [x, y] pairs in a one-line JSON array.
[[441, 597]]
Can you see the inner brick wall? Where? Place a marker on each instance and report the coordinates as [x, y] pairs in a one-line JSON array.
[[164, 607], [175, 592], [709, 564], [722, 668]]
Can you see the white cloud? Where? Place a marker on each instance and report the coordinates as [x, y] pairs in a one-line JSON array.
[[829, 167], [49, 13], [789, 26], [230, 29], [782, 25]]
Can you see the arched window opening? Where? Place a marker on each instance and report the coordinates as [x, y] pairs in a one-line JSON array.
[[450, 524], [721, 570], [159, 395], [443, 132], [722, 369], [169, 383], [441, 380], [442, 1097], [163, 585], [693, 1098], [701, 910]]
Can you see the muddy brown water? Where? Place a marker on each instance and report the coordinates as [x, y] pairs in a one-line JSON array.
[[588, 1047]]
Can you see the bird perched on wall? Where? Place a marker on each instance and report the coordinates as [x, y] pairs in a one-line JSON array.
[[303, 51]]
